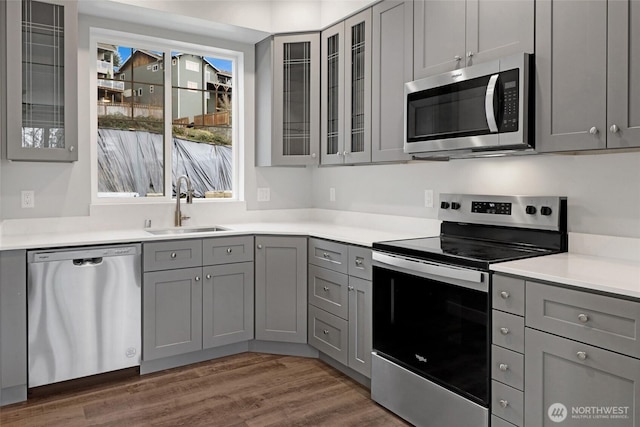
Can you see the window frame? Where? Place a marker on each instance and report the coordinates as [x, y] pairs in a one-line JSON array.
[[166, 46]]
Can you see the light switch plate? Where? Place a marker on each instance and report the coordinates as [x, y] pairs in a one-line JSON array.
[[428, 198], [28, 199], [264, 194], [332, 194]]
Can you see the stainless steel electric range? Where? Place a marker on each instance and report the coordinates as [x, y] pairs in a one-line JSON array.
[[431, 304]]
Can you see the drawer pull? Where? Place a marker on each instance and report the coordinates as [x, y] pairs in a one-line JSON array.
[[583, 318], [197, 278], [208, 276], [349, 288], [504, 294], [259, 246], [229, 250], [325, 331], [358, 262], [504, 367], [173, 254], [582, 355], [326, 255], [504, 331], [326, 289], [504, 403]]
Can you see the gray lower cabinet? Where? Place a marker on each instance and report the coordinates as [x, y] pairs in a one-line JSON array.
[[340, 304], [281, 289], [227, 304], [13, 327], [573, 384], [172, 312], [587, 99], [392, 57]]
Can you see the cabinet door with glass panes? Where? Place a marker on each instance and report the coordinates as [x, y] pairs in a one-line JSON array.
[[346, 91], [42, 81], [295, 104]]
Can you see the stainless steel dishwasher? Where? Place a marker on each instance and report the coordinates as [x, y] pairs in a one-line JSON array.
[[84, 312]]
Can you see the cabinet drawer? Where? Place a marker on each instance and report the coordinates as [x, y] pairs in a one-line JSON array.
[[328, 333], [499, 422], [328, 290], [507, 403], [603, 321], [508, 331], [329, 255], [227, 250], [507, 367], [360, 262], [172, 254], [508, 294]]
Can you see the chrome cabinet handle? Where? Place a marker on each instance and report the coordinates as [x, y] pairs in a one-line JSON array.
[[326, 289], [359, 262], [582, 355], [208, 276], [350, 288], [504, 403], [229, 250], [197, 278], [504, 367], [339, 153], [614, 129], [72, 148], [504, 331], [344, 153], [173, 255], [326, 255], [470, 54], [583, 318], [504, 294], [458, 58], [313, 155], [259, 246], [325, 331], [593, 130]]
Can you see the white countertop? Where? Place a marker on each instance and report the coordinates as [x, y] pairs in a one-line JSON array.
[[612, 275]]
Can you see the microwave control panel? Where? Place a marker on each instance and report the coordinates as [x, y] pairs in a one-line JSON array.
[[510, 101]]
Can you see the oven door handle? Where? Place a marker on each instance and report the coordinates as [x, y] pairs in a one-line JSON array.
[[488, 103], [430, 268]]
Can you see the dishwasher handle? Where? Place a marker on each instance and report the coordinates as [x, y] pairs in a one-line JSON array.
[[79, 262]]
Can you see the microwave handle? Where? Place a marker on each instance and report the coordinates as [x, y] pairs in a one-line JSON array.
[[488, 103]]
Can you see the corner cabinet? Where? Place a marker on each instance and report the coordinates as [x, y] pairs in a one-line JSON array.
[[392, 59], [588, 82], [346, 91], [281, 289], [454, 34], [287, 93], [41, 109]]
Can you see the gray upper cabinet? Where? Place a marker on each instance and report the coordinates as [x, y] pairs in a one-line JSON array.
[[345, 136], [281, 289], [42, 81], [588, 82], [227, 304], [453, 34], [287, 93], [392, 66]]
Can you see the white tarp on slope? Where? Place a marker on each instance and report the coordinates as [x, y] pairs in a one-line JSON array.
[[132, 162]]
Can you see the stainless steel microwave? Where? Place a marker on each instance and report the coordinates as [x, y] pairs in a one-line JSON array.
[[483, 108]]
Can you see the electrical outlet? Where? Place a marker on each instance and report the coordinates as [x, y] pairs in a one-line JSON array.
[[28, 199], [264, 194], [332, 194], [428, 198]]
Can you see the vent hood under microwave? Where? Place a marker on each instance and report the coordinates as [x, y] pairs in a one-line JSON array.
[[482, 110]]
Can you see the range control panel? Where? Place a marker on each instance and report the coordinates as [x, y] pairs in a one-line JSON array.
[[541, 212]]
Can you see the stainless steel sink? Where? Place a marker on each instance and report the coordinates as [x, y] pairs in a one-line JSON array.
[[186, 230]]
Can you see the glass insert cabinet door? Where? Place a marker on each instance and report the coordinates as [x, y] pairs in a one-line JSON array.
[[41, 81], [296, 91], [346, 91]]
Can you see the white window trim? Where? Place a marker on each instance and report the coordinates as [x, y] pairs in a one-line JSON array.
[[167, 46]]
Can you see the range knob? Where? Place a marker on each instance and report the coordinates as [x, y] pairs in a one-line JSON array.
[[444, 205], [545, 210], [531, 210], [455, 205]]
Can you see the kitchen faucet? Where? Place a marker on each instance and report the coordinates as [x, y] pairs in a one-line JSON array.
[[179, 216]]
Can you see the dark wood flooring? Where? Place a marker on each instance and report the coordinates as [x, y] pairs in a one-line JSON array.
[[249, 389]]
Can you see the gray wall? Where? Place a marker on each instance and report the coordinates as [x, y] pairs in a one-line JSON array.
[[603, 190]]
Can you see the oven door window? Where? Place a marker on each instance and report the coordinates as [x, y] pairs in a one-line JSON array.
[[437, 330], [449, 111]]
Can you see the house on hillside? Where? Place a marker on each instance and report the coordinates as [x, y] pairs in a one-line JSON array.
[[109, 90]]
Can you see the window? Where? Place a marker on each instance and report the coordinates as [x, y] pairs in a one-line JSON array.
[[138, 155]]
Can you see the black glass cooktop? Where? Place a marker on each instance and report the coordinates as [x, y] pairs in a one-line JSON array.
[[461, 251]]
